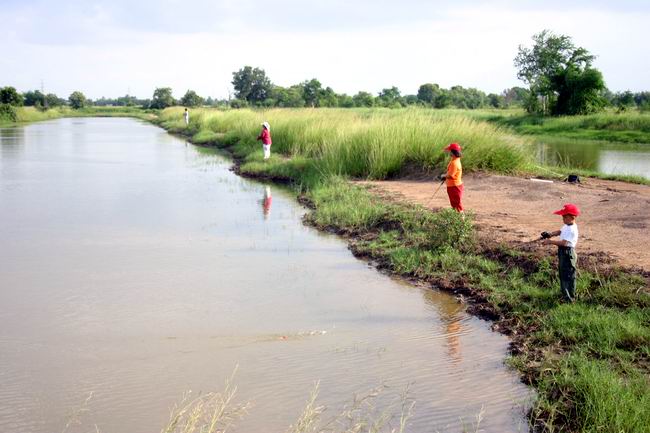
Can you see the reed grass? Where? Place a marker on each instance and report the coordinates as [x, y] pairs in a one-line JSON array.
[[627, 127], [368, 143]]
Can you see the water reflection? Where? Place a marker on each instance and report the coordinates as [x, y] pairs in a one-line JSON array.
[[603, 156], [451, 315], [128, 257], [12, 141], [267, 200]]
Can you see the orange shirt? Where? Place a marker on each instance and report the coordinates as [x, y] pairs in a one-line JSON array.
[[454, 172]]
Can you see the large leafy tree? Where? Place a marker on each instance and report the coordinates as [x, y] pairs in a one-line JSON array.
[[311, 92], [162, 98], [77, 100], [52, 100], [427, 93], [251, 84], [559, 75], [34, 98], [390, 97], [191, 99], [363, 99], [9, 95]]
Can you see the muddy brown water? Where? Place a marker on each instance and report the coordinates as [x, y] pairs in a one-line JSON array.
[[135, 267]]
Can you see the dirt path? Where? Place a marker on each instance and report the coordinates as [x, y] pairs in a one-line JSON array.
[[615, 215]]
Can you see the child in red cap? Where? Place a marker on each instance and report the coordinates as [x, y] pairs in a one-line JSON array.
[[566, 253], [454, 177]]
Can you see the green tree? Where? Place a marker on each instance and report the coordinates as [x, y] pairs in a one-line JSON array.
[[328, 98], [363, 99], [162, 98], [345, 101], [443, 99], [311, 91], [390, 97], [77, 100], [52, 100], [578, 91], [554, 65], [427, 93], [9, 95], [126, 101], [251, 84], [496, 101], [191, 99], [34, 98], [515, 96], [288, 97]]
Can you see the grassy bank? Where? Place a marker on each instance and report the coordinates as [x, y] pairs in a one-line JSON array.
[[589, 361], [628, 127]]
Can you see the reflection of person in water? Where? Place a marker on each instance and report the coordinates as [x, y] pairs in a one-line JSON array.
[[266, 202], [452, 331], [451, 314]]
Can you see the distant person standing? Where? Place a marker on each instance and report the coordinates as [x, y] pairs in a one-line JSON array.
[[265, 136], [186, 116], [454, 177]]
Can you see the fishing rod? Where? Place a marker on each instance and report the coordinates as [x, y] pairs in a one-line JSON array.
[[436, 192]]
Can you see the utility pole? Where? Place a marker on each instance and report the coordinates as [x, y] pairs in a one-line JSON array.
[[44, 102]]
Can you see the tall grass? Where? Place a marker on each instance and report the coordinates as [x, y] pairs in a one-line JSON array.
[[373, 143], [628, 127]]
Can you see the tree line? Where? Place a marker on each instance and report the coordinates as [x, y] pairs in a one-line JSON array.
[[560, 76]]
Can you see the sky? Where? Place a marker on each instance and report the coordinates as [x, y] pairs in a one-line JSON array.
[[111, 48]]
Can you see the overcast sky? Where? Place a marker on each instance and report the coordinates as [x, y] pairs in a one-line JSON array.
[[107, 48]]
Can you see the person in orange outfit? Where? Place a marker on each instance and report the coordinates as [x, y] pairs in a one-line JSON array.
[[454, 177]]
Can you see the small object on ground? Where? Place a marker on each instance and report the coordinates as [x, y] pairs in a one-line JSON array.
[[572, 178], [540, 180]]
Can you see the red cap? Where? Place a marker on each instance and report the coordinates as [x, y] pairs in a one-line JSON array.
[[568, 209], [452, 146]]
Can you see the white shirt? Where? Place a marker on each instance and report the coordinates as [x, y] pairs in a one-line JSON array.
[[569, 233]]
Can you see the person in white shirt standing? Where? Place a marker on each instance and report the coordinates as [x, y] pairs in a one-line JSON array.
[[186, 116], [566, 249]]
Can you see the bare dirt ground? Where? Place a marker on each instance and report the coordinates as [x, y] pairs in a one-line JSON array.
[[615, 216]]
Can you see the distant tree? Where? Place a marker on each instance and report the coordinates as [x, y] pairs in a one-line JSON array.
[[642, 99], [52, 100], [443, 99], [34, 98], [191, 99], [427, 93], [251, 84], [363, 99], [328, 98], [9, 95], [238, 103], [559, 75], [126, 101], [390, 97], [77, 100], [345, 101], [496, 101], [624, 100], [288, 97], [410, 99], [162, 98], [311, 91], [515, 96]]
